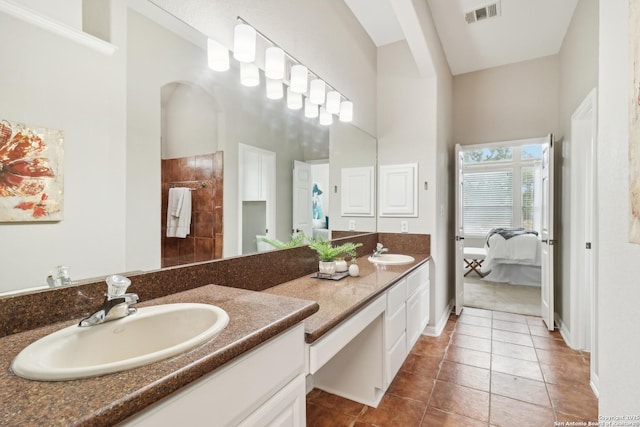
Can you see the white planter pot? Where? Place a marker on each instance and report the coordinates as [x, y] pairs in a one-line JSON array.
[[327, 267], [341, 266]]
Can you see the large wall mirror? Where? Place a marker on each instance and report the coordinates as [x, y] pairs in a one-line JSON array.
[[177, 108]]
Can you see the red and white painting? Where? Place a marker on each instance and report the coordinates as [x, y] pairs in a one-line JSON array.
[[31, 182]]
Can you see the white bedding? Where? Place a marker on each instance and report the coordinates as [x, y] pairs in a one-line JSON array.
[[505, 256]]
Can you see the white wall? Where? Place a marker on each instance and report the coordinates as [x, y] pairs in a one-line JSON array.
[[414, 126], [349, 147], [578, 59], [506, 103], [189, 121], [618, 285], [50, 81]]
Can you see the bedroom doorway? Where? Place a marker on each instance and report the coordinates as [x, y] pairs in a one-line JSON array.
[[504, 188]]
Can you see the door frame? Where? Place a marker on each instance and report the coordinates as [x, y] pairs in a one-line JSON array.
[[459, 228], [583, 288]]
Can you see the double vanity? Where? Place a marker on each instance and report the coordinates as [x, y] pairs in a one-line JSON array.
[[348, 337]]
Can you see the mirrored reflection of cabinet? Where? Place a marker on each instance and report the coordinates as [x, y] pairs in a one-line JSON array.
[[258, 172], [399, 190], [357, 192], [256, 182]]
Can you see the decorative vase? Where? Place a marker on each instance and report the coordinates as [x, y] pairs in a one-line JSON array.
[[341, 266], [327, 267], [354, 270]]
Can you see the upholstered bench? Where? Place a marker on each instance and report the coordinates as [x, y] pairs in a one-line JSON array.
[[473, 258]]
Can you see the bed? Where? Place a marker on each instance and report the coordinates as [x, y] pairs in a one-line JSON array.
[[513, 256]]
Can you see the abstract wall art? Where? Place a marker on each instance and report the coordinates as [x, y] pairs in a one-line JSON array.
[[31, 181]]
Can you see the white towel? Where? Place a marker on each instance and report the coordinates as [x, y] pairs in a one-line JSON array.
[[179, 212]]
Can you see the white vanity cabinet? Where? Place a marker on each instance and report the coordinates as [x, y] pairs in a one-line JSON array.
[[264, 387], [406, 316], [417, 304]]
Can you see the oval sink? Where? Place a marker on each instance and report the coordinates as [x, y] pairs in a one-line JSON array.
[[152, 334], [392, 259]]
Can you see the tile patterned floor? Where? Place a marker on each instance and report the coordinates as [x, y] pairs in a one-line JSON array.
[[488, 368]]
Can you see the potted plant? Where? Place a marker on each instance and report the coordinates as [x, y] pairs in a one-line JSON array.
[[327, 253], [296, 240]]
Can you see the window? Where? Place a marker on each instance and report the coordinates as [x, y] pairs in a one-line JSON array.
[[488, 201], [501, 189]]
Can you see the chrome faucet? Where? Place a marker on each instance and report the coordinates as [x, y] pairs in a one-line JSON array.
[[117, 304], [380, 249]]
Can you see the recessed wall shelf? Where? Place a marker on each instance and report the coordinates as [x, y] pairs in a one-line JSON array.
[[46, 23]]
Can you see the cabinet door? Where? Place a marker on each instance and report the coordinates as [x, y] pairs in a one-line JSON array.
[[395, 358], [399, 190], [414, 320], [285, 409]]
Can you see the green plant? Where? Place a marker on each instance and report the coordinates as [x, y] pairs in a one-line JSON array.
[[327, 252], [296, 240]]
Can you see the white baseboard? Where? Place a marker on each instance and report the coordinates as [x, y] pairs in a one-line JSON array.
[[435, 331], [595, 383], [564, 331]]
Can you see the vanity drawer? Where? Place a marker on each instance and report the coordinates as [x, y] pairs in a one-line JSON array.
[[395, 325], [396, 296], [417, 279], [395, 358]]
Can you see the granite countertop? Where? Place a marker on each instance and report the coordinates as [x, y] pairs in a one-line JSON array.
[[254, 318], [339, 299]]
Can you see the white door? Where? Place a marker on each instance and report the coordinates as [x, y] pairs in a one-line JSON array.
[[302, 206], [459, 238], [547, 235]]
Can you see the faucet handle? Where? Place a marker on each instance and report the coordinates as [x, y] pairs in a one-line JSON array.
[[117, 285]]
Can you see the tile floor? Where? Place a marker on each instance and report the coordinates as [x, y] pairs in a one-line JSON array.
[[488, 368]]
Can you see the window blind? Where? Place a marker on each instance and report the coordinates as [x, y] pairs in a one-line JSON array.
[[488, 201]]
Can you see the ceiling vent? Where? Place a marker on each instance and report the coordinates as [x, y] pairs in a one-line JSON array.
[[489, 11]]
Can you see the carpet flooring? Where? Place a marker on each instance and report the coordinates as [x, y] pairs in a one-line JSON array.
[[502, 297]]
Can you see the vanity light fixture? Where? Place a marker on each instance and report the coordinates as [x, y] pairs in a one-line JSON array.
[[310, 109], [249, 74], [274, 63], [217, 56], [333, 102], [299, 78], [274, 89], [244, 43], [322, 100], [316, 91], [326, 118], [294, 100], [346, 111]]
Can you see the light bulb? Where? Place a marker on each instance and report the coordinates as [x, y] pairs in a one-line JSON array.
[[244, 43], [325, 117], [294, 100], [217, 56], [316, 91], [310, 109], [299, 78], [333, 102], [274, 63], [274, 89], [346, 111], [249, 74]]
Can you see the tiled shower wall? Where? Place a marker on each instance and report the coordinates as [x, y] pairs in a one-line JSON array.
[[205, 238]]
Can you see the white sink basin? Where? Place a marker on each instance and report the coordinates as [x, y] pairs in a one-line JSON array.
[[392, 259], [151, 334]]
